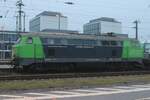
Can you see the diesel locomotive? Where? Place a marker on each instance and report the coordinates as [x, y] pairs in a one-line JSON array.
[[54, 51]]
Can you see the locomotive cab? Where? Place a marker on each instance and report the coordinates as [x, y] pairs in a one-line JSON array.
[[132, 49], [27, 50]]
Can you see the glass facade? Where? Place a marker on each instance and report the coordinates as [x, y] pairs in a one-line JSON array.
[[35, 25], [7, 39], [92, 28], [102, 25]]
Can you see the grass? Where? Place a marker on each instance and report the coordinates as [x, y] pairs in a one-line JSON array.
[[72, 82]]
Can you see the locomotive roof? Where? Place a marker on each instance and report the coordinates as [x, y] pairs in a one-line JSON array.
[[78, 36]]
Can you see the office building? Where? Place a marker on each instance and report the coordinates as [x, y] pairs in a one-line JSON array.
[[102, 25], [48, 20]]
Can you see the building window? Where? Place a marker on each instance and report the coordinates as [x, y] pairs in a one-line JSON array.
[[9, 46], [1, 37], [1, 46], [6, 37], [14, 37], [7, 55]]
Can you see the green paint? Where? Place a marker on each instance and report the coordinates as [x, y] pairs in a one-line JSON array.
[[132, 50], [32, 50]]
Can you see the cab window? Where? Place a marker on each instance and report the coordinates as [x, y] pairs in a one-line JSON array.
[[30, 40], [18, 40]]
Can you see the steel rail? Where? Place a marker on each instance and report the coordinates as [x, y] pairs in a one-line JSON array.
[[69, 75]]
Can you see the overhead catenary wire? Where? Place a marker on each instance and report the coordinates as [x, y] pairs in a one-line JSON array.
[[59, 1], [86, 14]]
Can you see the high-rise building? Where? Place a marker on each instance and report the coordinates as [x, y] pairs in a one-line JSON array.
[[48, 20], [102, 25]]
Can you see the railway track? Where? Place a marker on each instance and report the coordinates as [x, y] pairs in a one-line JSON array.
[[69, 75]]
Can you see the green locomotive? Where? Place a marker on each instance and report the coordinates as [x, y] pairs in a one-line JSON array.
[[39, 50]]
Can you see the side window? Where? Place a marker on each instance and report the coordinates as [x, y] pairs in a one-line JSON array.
[[113, 43], [30, 40], [64, 41], [105, 43], [44, 40], [51, 41]]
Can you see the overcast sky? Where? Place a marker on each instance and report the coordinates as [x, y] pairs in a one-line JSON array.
[[125, 11]]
